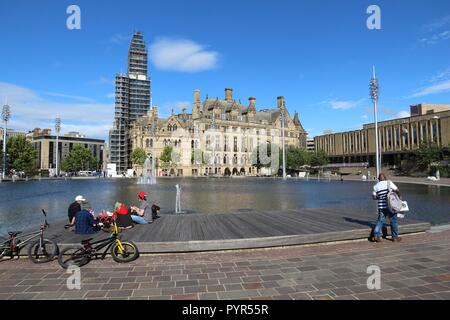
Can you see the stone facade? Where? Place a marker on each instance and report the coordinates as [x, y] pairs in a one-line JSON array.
[[217, 138], [399, 138]]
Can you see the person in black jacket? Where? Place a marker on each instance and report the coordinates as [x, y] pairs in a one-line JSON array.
[[74, 208]]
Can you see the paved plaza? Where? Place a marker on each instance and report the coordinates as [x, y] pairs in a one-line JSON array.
[[417, 268]]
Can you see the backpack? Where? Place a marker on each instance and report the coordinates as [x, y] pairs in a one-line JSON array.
[[394, 202]]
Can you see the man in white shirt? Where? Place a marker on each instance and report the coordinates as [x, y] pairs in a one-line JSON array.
[[380, 192]]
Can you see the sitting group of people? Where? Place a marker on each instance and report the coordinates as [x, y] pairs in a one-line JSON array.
[[85, 222]]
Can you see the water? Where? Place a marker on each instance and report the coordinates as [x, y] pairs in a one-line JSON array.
[[20, 202], [148, 174]]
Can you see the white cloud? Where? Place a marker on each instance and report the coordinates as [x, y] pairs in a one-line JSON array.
[[436, 38], [182, 55], [343, 104], [437, 24], [67, 96], [403, 114], [365, 116], [444, 75], [30, 110], [433, 89], [102, 81], [119, 38]]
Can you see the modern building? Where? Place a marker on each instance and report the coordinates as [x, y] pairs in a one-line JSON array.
[[9, 134], [132, 101], [399, 138], [45, 144], [219, 137]]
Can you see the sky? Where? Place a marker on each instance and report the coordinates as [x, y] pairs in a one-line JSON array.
[[317, 54]]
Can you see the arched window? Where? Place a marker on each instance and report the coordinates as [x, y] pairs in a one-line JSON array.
[[174, 128], [165, 143], [147, 143], [151, 143], [169, 127], [192, 144]]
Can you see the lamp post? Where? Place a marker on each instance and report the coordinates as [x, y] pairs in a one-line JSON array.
[[282, 140], [57, 130], [374, 91], [6, 113]]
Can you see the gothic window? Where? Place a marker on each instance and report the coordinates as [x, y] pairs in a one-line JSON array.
[[151, 143], [174, 128], [147, 143]]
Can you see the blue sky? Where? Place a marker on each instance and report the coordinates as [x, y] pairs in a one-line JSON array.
[[317, 54]]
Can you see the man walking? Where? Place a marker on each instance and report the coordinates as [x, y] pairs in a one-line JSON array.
[[380, 192]]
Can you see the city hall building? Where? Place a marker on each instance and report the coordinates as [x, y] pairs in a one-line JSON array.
[[399, 138], [218, 137]]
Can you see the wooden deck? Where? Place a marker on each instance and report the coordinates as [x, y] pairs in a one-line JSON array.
[[202, 232]]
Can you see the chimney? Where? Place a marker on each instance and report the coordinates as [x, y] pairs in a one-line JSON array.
[[280, 102], [229, 94], [197, 96], [251, 104], [196, 107]]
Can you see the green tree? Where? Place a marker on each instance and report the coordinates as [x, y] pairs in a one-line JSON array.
[[296, 157], [319, 158], [79, 159], [21, 155], [427, 153], [166, 157], [138, 156]]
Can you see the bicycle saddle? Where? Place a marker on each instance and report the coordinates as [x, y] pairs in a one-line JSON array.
[[86, 241], [14, 233]]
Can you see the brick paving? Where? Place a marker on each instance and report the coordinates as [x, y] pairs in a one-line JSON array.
[[417, 268]]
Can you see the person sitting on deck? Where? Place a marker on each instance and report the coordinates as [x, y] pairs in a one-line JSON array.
[[74, 208], [122, 216], [138, 214], [85, 223]]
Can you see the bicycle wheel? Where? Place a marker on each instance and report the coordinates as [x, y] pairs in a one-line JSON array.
[[44, 253], [130, 252], [73, 256], [4, 251]]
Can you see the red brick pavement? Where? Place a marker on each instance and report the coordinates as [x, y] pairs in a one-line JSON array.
[[417, 268]]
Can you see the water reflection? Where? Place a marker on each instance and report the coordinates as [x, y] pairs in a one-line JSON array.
[[20, 203]]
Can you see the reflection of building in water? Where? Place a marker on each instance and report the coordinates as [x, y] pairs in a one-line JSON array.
[[399, 138], [239, 130]]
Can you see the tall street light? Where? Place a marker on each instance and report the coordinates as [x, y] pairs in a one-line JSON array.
[[6, 113], [374, 91], [58, 130], [282, 139]]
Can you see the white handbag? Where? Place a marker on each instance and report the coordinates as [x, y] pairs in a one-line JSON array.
[[403, 210]]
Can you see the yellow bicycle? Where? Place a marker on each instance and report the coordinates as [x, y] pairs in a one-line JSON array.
[[121, 251]]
